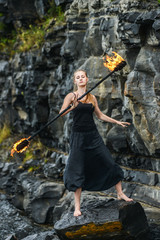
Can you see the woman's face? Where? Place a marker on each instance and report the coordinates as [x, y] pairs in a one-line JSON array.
[[80, 79]]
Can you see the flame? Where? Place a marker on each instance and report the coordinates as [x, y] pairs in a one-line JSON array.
[[112, 62], [14, 149]]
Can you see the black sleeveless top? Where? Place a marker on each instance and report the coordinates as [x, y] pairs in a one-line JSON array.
[[83, 117]]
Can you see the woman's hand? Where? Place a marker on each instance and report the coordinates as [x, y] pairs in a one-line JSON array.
[[123, 124]]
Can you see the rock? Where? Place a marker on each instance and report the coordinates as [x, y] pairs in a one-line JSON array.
[[48, 235], [63, 205], [4, 67], [14, 225], [37, 197], [59, 2], [55, 169], [40, 197], [146, 95], [118, 138], [105, 220], [11, 237], [26, 9]]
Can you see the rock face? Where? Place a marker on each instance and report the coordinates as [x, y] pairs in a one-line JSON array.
[[105, 220], [33, 84]]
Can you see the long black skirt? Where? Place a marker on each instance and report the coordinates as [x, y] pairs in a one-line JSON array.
[[90, 165]]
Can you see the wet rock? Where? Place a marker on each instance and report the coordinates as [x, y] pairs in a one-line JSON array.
[[105, 220]]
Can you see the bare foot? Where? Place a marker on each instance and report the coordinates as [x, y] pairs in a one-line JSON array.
[[77, 213], [121, 196]]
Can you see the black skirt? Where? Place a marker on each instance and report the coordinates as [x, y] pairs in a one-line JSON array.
[[90, 165]]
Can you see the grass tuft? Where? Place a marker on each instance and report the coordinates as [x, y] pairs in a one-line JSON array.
[[4, 133]]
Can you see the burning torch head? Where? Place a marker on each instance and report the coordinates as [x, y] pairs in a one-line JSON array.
[[114, 63], [20, 146], [23, 144], [120, 66]]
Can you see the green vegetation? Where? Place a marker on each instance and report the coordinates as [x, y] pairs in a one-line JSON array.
[[4, 133], [24, 39], [33, 168], [2, 26], [28, 155], [158, 1], [30, 38], [7, 44], [56, 12]]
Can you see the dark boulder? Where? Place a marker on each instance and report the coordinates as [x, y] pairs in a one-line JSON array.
[[105, 220]]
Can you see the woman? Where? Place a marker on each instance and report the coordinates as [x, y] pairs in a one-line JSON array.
[[90, 165]]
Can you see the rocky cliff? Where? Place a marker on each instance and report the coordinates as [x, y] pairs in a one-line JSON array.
[[33, 84]]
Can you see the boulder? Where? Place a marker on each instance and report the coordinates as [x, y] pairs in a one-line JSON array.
[[47, 235], [40, 197], [15, 225], [105, 219], [11, 237]]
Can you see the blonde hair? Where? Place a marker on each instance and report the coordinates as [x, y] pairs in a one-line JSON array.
[[89, 96]]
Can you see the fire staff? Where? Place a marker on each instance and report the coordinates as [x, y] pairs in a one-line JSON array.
[[114, 63]]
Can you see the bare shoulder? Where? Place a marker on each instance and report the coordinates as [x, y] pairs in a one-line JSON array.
[[94, 98]]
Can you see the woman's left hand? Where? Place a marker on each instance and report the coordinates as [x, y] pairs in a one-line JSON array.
[[123, 124]]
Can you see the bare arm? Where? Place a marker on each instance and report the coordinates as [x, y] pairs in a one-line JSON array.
[[105, 118], [69, 99]]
